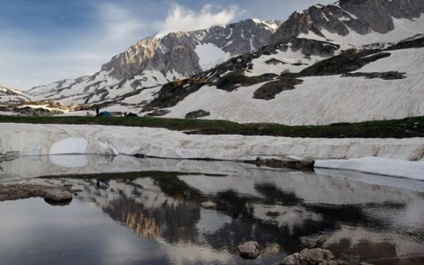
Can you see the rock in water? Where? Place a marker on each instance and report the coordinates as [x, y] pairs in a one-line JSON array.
[[249, 250], [58, 196], [312, 257]]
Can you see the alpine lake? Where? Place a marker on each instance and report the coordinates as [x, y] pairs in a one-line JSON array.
[[128, 210]]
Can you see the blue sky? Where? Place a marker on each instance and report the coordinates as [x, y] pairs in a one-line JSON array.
[[43, 41]]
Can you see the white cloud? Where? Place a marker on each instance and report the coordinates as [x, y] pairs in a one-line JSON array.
[[120, 24], [183, 19]]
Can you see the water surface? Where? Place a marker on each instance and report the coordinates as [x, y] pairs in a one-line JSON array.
[[148, 211]]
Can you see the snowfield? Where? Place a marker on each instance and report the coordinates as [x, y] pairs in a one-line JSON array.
[[323, 100], [28, 139]]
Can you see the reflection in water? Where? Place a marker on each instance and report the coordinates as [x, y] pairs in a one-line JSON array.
[[285, 211]]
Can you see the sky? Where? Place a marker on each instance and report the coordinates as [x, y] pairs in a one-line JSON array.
[[43, 41]]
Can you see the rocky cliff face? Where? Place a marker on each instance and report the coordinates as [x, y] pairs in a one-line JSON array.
[[359, 16], [176, 52], [158, 60]]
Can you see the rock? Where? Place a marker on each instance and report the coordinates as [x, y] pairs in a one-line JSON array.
[[249, 250], [139, 156], [312, 257], [52, 195], [208, 205], [303, 164], [57, 195], [157, 113], [197, 114]]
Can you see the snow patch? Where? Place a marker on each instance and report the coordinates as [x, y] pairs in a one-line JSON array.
[[210, 55], [71, 145]]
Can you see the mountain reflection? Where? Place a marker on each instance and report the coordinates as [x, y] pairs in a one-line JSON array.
[[169, 208]]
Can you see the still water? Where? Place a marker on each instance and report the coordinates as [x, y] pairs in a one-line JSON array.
[[148, 211]]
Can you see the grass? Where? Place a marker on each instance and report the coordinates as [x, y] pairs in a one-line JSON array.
[[404, 128]]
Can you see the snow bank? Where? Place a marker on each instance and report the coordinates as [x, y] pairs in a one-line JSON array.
[[30, 139], [36, 139], [377, 165]]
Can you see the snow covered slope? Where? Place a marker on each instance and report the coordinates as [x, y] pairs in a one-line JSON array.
[[8, 95], [323, 99]]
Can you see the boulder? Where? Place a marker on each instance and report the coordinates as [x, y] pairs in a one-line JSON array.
[[286, 162], [312, 257], [249, 250], [58, 196], [197, 114]]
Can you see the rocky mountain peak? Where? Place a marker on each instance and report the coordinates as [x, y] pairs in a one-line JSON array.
[[176, 52], [345, 16]]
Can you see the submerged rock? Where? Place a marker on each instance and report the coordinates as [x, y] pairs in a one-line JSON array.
[[312, 257], [249, 250]]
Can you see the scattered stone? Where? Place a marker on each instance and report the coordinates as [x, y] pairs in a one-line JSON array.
[[157, 113], [197, 114], [52, 195], [312, 257], [249, 250], [30, 111]]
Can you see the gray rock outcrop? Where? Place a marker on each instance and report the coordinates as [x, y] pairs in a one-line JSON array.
[[312, 257], [176, 51], [197, 114], [360, 16]]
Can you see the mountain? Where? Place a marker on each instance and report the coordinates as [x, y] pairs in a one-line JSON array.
[[356, 22], [158, 60], [351, 61], [8, 95]]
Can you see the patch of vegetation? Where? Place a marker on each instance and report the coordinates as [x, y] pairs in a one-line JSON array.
[[236, 79], [343, 63], [271, 89], [173, 92], [392, 75], [405, 128]]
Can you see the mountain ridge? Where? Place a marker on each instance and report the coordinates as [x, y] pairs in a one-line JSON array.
[[258, 50]]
